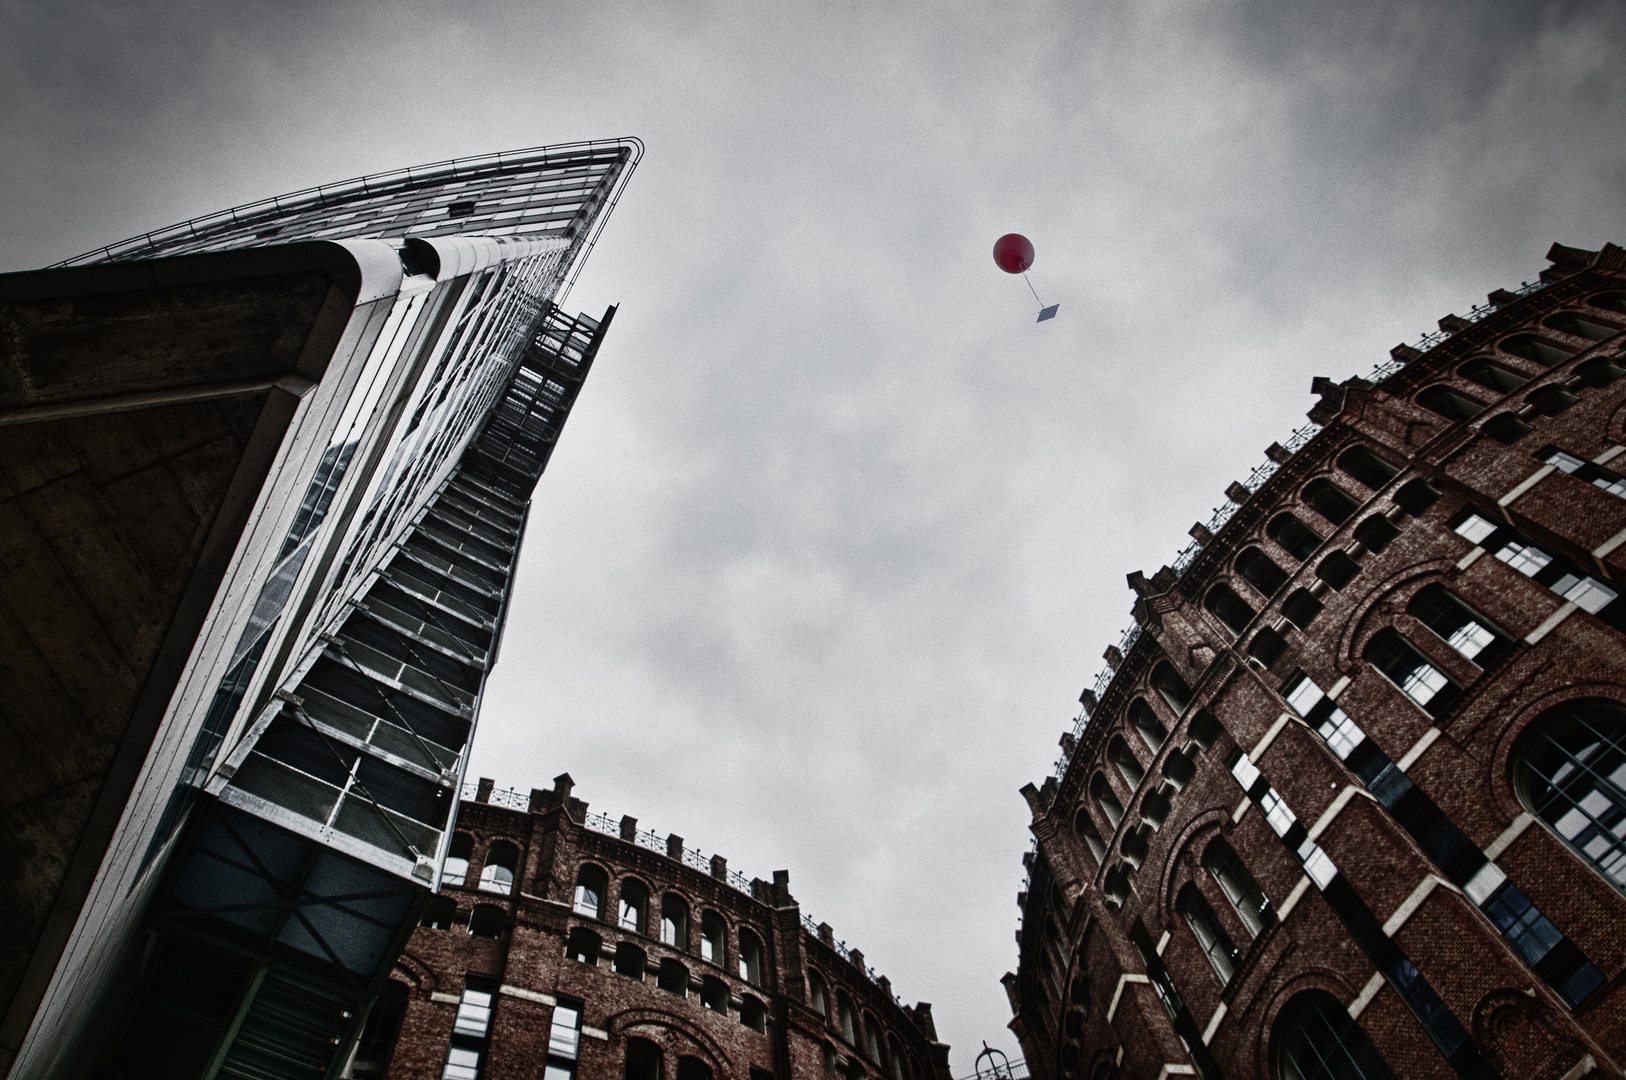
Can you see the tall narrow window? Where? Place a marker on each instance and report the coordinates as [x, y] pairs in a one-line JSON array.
[[1318, 1040], [872, 1037], [1408, 669], [1238, 885], [1124, 759], [1086, 830], [457, 859], [643, 1060], [1295, 537], [1145, 722], [844, 1016], [502, 860], [1261, 571], [675, 922], [712, 937], [1210, 935], [750, 958], [470, 1030], [1171, 687], [818, 995], [564, 1040], [634, 905], [1572, 775], [1104, 797], [1472, 635], [591, 885]]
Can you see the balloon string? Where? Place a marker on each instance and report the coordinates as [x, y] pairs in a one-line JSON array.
[[1031, 289]]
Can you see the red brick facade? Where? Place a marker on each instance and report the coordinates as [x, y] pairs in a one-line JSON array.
[[720, 975], [1333, 804]]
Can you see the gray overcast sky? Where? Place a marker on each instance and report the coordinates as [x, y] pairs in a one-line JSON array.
[[836, 533]]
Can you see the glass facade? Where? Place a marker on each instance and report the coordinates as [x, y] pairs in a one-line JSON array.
[[296, 809]]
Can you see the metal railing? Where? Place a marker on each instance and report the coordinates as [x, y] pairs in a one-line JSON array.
[[692, 857], [1256, 479]]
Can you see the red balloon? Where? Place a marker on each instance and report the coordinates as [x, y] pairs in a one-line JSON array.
[[1013, 253]]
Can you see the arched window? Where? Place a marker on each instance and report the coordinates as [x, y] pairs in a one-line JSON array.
[[819, 996], [486, 921], [1301, 608], [1317, 1040], [1124, 759], [1551, 400], [692, 1068], [1330, 501], [497, 876], [643, 1060], [630, 961], [1170, 687], [673, 977], [583, 946], [1238, 885], [1295, 537], [440, 912], [1585, 326], [1571, 774], [1261, 571], [1102, 793], [1600, 371], [1539, 350], [1416, 496], [1367, 467], [1337, 569], [1609, 301], [675, 922], [1449, 404], [1086, 830], [634, 905], [1472, 635], [844, 1017], [1376, 533], [1267, 646], [894, 1058], [591, 885], [750, 958], [457, 859], [832, 1063], [1145, 721], [753, 1014], [1410, 670], [714, 994], [713, 937], [872, 1037], [1230, 609], [1492, 376], [1205, 926]]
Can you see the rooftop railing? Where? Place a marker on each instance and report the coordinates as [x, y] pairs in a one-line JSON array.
[[1256, 479], [646, 838]]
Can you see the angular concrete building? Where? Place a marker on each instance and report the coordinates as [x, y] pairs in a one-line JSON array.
[[263, 479]]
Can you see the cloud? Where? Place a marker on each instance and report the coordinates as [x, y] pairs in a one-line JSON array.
[[837, 533]]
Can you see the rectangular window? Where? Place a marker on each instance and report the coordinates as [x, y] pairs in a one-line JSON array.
[[1475, 528], [473, 1012], [1596, 475], [1403, 665], [462, 1063], [564, 1037], [470, 1030]]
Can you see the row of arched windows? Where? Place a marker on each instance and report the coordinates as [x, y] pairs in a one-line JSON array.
[[861, 1031], [1500, 377], [633, 915]]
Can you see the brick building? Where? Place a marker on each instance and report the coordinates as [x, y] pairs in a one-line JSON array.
[[570, 945], [1349, 800]]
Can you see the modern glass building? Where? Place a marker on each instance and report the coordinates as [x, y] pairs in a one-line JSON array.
[[265, 476]]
